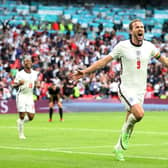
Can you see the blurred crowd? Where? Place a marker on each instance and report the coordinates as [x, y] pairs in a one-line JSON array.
[[56, 55]]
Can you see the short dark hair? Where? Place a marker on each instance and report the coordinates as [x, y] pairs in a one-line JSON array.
[[133, 21]]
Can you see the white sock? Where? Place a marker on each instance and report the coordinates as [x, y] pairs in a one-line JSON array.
[[127, 127], [118, 145], [20, 126], [129, 124]]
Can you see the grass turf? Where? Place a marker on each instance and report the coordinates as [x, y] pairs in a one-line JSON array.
[[84, 140]]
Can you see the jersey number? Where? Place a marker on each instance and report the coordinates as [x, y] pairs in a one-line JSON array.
[[138, 64], [30, 85]]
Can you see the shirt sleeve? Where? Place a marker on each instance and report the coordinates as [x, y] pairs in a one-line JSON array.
[[116, 52]]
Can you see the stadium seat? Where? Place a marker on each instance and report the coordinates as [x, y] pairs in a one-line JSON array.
[[124, 35]]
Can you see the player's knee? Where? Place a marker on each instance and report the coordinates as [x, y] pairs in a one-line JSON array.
[[51, 105], [31, 118], [138, 112], [59, 105], [21, 117], [139, 116]]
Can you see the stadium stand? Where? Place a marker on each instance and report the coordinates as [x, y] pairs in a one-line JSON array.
[[64, 36]]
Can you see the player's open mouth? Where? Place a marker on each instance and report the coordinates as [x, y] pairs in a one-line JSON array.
[[140, 34]]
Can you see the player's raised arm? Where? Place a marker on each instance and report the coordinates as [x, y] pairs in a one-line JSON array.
[[163, 60], [95, 66]]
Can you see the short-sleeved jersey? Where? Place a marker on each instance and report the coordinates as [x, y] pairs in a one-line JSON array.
[[29, 82], [134, 61]]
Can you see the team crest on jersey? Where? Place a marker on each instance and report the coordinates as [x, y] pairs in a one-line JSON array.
[[138, 52]]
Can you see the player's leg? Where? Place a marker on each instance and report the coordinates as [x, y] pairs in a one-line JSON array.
[[51, 105], [30, 108], [134, 114], [20, 125], [60, 110], [30, 117], [20, 104], [26, 116]]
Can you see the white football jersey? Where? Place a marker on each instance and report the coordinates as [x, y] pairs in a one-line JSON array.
[[134, 62], [29, 81]]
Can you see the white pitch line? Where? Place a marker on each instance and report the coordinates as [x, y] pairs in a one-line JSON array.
[[89, 129], [82, 153], [162, 144], [106, 146]]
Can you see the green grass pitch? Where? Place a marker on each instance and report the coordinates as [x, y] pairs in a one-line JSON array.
[[84, 140]]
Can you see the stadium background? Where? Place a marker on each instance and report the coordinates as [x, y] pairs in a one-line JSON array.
[[62, 36]]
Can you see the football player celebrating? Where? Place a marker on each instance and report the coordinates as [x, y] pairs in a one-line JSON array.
[[25, 82], [134, 55]]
